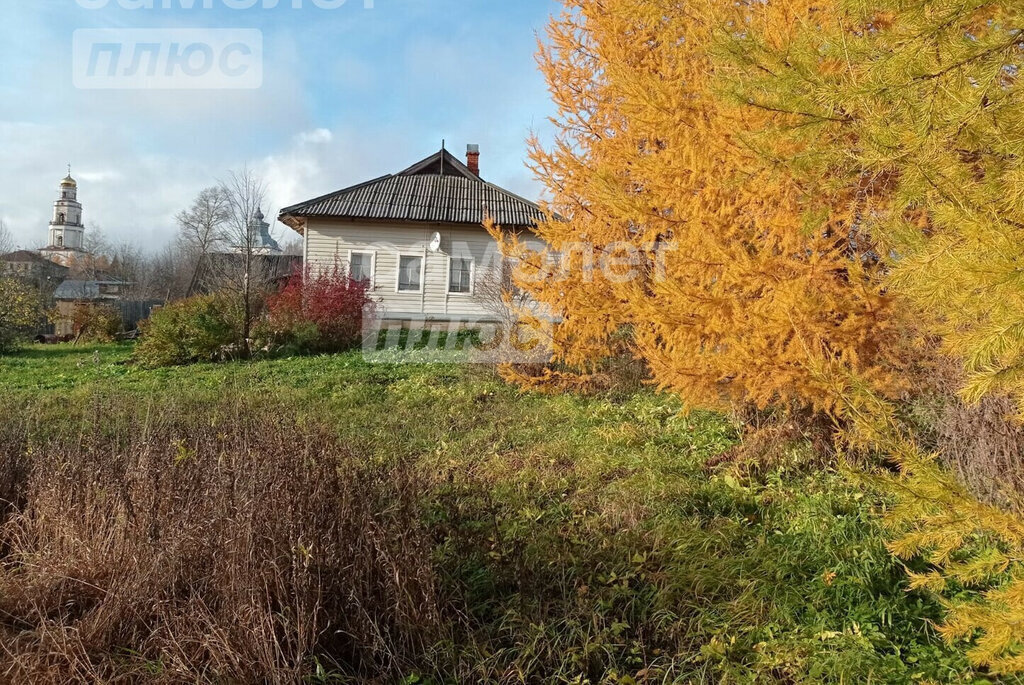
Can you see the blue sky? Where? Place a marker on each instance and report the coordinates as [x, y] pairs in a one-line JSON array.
[[348, 94]]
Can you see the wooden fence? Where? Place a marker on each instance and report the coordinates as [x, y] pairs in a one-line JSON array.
[[134, 311]]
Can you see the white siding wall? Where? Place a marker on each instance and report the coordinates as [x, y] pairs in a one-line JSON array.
[[328, 242]]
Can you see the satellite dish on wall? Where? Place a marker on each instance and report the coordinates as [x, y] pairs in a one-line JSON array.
[[435, 242]]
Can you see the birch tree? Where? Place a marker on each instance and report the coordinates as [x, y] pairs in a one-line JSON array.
[[244, 194], [202, 228]]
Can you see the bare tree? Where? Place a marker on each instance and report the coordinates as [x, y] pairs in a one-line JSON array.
[[203, 227], [6, 238], [94, 259], [293, 248], [168, 281], [130, 265], [245, 192], [95, 241]]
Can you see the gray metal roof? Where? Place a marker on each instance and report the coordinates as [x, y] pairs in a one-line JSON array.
[[439, 189], [84, 290]]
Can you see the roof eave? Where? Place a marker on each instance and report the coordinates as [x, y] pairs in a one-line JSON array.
[[303, 218], [296, 222]]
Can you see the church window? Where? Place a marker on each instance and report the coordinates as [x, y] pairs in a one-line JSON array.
[[60, 241], [61, 217]]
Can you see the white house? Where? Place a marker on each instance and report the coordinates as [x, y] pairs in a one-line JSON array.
[[416, 237]]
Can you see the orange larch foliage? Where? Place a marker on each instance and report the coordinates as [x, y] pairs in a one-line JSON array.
[[674, 235]]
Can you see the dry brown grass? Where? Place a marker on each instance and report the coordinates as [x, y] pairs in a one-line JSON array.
[[226, 547], [982, 444]]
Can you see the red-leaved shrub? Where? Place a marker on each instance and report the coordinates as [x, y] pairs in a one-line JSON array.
[[318, 311]]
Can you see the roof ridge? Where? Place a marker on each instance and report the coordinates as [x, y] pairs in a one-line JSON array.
[[448, 156]]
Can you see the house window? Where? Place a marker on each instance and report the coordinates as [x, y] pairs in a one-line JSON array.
[[410, 274], [460, 275], [360, 267]]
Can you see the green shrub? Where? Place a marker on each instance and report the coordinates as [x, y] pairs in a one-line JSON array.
[[19, 312], [295, 339], [197, 329], [95, 322]]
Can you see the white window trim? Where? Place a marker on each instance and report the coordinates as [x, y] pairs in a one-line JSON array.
[[398, 272], [472, 277], [373, 265]]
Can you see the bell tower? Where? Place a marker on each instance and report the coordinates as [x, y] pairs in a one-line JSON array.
[[66, 228]]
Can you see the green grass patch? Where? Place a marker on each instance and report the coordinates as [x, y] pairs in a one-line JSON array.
[[575, 539]]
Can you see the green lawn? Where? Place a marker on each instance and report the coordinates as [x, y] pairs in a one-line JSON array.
[[583, 539]]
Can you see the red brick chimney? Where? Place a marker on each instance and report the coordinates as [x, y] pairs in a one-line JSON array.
[[473, 158]]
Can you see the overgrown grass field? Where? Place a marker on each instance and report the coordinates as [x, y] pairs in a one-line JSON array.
[[331, 520]]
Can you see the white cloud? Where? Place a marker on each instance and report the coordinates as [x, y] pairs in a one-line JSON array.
[[100, 176], [330, 115], [135, 196], [320, 135]]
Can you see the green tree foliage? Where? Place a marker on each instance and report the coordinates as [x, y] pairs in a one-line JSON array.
[[19, 312], [199, 328]]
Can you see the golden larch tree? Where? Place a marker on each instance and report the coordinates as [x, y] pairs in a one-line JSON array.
[[906, 118], [670, 236]]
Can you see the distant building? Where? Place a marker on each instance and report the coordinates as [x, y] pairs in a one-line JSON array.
[[260, 240], [39, 273], [268, 270], [66, 274], [263, 242], [32, 267], [67, 232], [268, 265], [91, 291], [72, 293]]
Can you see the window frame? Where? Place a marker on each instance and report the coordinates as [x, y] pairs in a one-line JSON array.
[[373, 264], [398, 272], [472, 276]]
